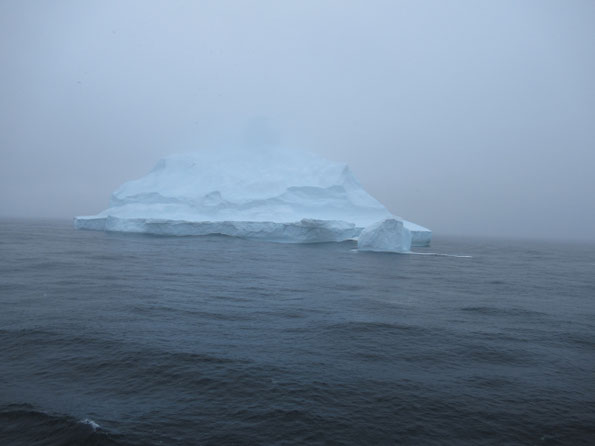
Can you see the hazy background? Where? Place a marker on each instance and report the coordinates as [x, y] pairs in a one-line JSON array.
[[464, 116]]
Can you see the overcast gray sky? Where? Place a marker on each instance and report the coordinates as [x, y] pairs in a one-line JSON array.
[[470, 116]]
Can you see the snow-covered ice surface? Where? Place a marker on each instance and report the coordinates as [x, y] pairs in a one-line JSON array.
[[268, 194]]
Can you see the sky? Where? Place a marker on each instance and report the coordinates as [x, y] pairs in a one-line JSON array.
[[469, 117]]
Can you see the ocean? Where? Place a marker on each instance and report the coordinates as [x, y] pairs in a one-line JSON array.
[[127, 339]]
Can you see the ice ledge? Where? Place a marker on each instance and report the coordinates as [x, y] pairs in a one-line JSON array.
[[420, 236], [303, 231]]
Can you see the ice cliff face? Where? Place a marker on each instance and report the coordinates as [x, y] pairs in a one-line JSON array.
[[387, 235], [277, 195]]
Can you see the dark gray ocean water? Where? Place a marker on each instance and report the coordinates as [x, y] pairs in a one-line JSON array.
[[121, 339]]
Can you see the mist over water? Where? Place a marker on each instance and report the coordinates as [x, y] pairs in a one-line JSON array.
[[466, 117], [138, 340]]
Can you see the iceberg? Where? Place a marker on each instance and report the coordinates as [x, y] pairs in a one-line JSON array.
[[265, 194]]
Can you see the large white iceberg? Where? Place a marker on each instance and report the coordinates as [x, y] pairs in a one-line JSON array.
[[268, 194]]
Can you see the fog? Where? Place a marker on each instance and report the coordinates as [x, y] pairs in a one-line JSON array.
[[468, 117]]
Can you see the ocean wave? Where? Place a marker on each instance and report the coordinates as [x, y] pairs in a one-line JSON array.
[[23, 424]]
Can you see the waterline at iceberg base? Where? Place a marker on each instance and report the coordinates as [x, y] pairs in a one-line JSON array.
[[273, 195]]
